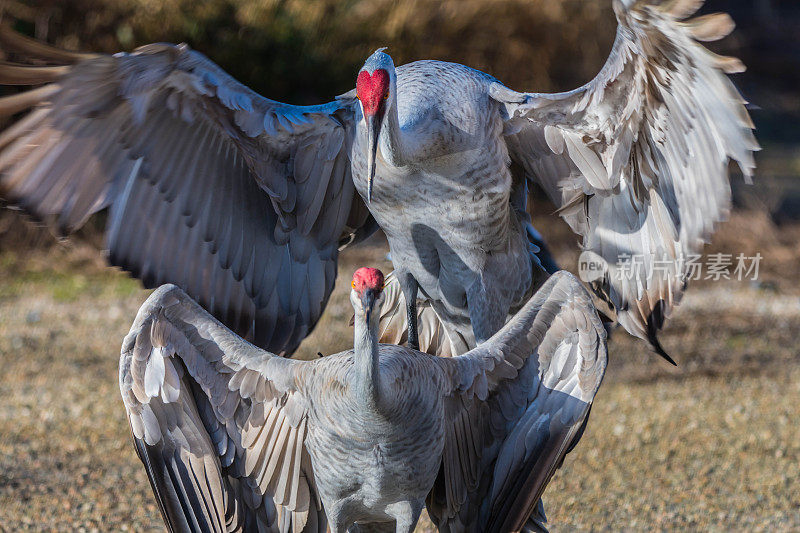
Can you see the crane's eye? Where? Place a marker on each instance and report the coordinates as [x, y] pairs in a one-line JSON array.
[[353, 284], [386, 95]]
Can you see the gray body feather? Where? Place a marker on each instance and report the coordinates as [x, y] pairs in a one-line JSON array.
[[445, 206]]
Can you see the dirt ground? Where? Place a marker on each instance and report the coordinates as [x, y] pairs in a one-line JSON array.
[[713, 444]]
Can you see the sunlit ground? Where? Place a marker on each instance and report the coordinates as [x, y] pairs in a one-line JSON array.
[[713, 444]]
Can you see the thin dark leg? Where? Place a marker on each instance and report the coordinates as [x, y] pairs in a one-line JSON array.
[[413, 333], [410, 288]]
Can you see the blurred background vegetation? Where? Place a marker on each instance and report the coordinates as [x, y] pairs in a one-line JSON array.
[[307, 51]]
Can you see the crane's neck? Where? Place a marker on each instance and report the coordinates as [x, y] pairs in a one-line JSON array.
[[367, 368], [393, 145]]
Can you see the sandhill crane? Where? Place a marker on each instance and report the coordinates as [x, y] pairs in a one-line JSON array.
[[243, 201], [233, 436]]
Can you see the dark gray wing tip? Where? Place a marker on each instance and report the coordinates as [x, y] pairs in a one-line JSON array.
[[654, 323]]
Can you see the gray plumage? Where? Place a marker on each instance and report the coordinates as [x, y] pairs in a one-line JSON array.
[[242, 201], [636, 161], [234, 437]]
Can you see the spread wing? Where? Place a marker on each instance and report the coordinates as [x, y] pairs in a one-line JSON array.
[[217, 423], [518, 405], [637, 159], [239, 200]]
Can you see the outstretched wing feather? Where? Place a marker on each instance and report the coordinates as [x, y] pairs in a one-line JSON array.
[[202, 193], [517, 405], [637, 159], [216, 421]]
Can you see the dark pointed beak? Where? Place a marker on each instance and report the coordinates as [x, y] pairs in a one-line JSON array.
[[374, 123], [368, 298]]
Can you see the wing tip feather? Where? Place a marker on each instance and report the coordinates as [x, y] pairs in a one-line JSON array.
[[654, 323]]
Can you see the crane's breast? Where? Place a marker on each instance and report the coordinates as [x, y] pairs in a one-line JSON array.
[[359, 454]]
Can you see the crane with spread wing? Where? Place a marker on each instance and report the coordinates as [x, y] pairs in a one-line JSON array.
[[244, 201]]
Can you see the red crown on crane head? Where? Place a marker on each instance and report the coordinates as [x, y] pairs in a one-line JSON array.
[[367, 278]]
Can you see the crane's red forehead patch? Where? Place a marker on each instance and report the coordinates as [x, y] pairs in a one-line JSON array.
[[372, 89], [367, 278]]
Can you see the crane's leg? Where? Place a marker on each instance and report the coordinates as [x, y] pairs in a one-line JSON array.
[[540, 254], [410, 288]]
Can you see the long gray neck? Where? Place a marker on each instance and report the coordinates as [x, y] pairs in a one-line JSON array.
[[392, 142], [365, 348]]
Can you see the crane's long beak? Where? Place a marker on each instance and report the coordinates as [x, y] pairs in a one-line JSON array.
[[368, 301], [374, 123]]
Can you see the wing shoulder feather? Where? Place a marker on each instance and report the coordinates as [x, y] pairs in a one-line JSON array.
[[637, 159], [516, 407], [217, 421], [240, 200]]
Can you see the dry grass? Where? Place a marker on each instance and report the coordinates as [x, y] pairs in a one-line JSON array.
[[711, 445]]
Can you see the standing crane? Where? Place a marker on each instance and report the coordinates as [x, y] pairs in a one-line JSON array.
[[244, 202], [235, 438]]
